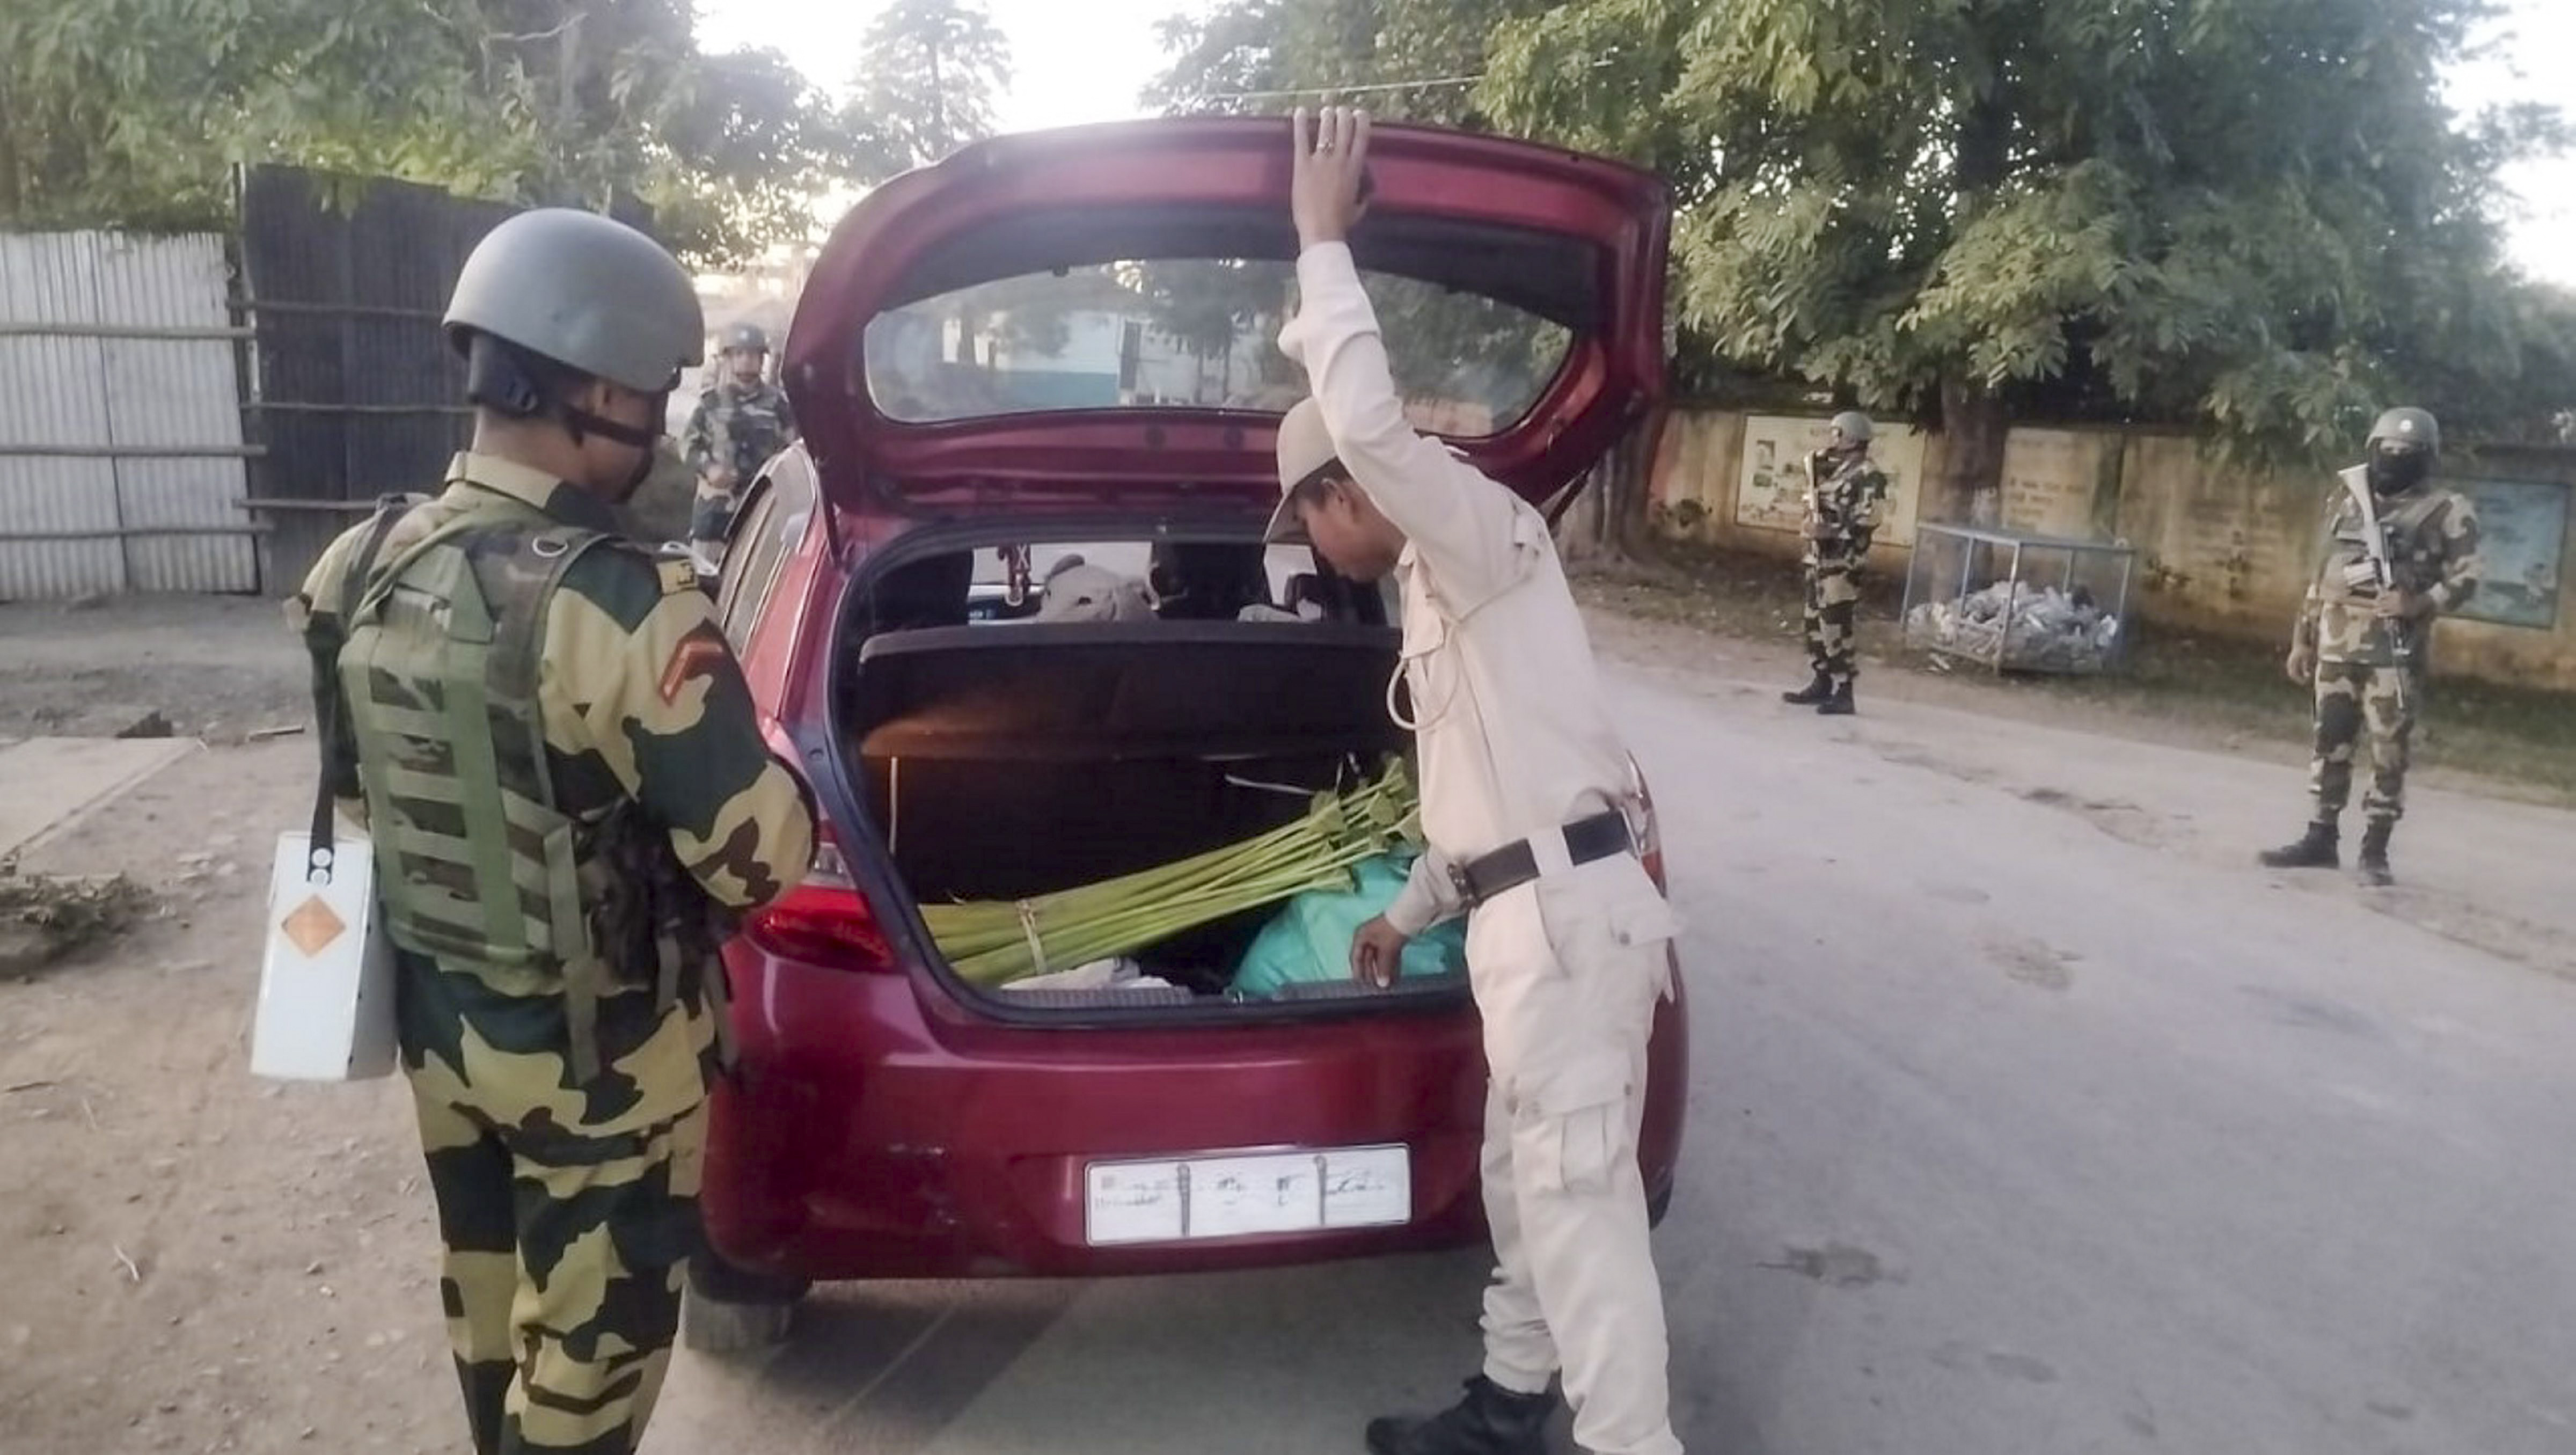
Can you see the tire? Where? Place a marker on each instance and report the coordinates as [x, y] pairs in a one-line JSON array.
[[730, 1310]]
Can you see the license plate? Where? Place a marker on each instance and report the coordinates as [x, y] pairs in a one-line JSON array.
[[1192, 1199]]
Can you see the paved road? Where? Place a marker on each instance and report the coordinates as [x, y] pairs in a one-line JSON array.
[[2028, 1118]]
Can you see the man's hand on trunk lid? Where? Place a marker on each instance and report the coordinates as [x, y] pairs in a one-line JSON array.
[[1328, 174]]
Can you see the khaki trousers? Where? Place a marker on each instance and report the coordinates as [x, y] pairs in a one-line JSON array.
[[1567, 973]]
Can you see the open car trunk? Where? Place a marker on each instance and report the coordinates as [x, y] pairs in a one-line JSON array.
[[1010, 760]]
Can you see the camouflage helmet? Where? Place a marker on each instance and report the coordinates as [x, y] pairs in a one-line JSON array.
[[584, 291], [2408, 425], [1851, 427], [746, 338]]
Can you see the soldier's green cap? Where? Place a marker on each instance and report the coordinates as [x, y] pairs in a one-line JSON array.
[[585, 291], [1851, 427]]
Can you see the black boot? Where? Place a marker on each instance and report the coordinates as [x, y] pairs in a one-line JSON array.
[[1814, 692], [1837, 703], [2374, 856], [1491, 1420], [2316, 851]]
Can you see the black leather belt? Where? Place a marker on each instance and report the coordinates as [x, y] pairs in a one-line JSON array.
[[1587, 840]]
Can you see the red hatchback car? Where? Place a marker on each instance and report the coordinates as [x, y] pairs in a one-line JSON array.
[[1061, 344]]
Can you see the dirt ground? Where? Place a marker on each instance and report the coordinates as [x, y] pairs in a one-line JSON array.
[[194, 1261]]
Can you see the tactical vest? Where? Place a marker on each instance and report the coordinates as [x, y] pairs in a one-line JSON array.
[[475, 860]]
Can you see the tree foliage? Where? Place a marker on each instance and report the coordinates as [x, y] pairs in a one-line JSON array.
[[927, 83], [2258, 215], [130, 112]]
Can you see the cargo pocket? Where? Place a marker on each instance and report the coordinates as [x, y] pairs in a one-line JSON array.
[[1582, 1124], [1604, 908]]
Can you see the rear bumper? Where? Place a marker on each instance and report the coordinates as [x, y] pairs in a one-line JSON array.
[[874, 1131]]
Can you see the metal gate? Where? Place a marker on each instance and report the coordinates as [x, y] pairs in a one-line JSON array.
[[353, 391], [121, 450]]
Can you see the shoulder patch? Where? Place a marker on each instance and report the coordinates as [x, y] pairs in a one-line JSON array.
[[697, 655], [677, 576]]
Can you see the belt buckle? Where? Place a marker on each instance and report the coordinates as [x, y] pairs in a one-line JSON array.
[[1466, 886]]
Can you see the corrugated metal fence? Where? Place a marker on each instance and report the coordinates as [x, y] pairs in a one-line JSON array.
[[121, 449]]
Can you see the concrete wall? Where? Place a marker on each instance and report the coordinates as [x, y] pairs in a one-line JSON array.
[[2218, 549]]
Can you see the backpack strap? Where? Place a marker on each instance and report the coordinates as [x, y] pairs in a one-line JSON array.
[[321, 848]]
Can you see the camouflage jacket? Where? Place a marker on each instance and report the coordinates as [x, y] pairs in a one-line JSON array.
[[645, 710], [1845, 502], [2432, 548], [737, 428]]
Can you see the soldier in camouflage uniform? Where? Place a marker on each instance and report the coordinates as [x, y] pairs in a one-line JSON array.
[[567, 789], [2362, 631], [738, 425], [1843, 496]]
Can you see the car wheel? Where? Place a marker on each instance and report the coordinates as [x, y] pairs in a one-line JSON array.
[[730, 1310]]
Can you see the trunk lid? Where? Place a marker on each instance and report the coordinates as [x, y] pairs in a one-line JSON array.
[[1088, 316]]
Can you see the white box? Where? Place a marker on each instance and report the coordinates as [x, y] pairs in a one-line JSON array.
[[326, 986]]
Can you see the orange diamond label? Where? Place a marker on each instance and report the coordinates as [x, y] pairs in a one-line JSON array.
[[312, 927]]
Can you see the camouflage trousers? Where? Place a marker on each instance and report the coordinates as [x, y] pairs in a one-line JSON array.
[[711, 515], [1832, 620], [567, 1214], [2354, 700]]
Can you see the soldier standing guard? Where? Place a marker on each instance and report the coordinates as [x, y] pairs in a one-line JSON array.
[[2399, 552], [1524, 794], [1844, 492], [738, 425], [565, 786]]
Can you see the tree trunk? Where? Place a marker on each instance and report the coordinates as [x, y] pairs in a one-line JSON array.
[[1973, 423], [1605, 522], [939, 144], [1968, 490], [12, 197]]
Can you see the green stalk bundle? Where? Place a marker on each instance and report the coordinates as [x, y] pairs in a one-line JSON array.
[[992, 943]]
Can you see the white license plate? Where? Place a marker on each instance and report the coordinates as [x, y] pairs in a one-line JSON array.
[[1190, 1199]]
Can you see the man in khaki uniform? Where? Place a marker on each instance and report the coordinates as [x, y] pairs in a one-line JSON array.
[[566, 787], [1525, 792]]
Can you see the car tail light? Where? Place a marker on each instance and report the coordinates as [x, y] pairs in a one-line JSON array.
[[1650, 833], [825, 920]]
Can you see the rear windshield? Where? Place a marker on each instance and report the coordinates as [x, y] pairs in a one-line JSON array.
[[1193, 333]]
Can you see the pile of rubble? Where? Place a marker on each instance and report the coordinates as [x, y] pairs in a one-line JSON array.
[[2052, 630]]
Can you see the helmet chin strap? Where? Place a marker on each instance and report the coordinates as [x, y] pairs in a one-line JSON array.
[[581, 421]]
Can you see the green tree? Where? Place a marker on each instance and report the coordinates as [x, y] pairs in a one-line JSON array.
[[130, 112], [745, 147], [927, 83], [1409, 60], [2252, 213]]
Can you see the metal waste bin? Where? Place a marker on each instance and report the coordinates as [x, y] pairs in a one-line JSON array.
[[2019, 603]]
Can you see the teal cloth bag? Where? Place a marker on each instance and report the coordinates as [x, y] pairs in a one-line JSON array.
[[1309, 942]]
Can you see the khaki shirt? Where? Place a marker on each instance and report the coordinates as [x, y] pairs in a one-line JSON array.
[[1507, 710]]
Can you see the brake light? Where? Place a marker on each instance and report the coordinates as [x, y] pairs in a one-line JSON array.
[[823, 921], [1650, 834]]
